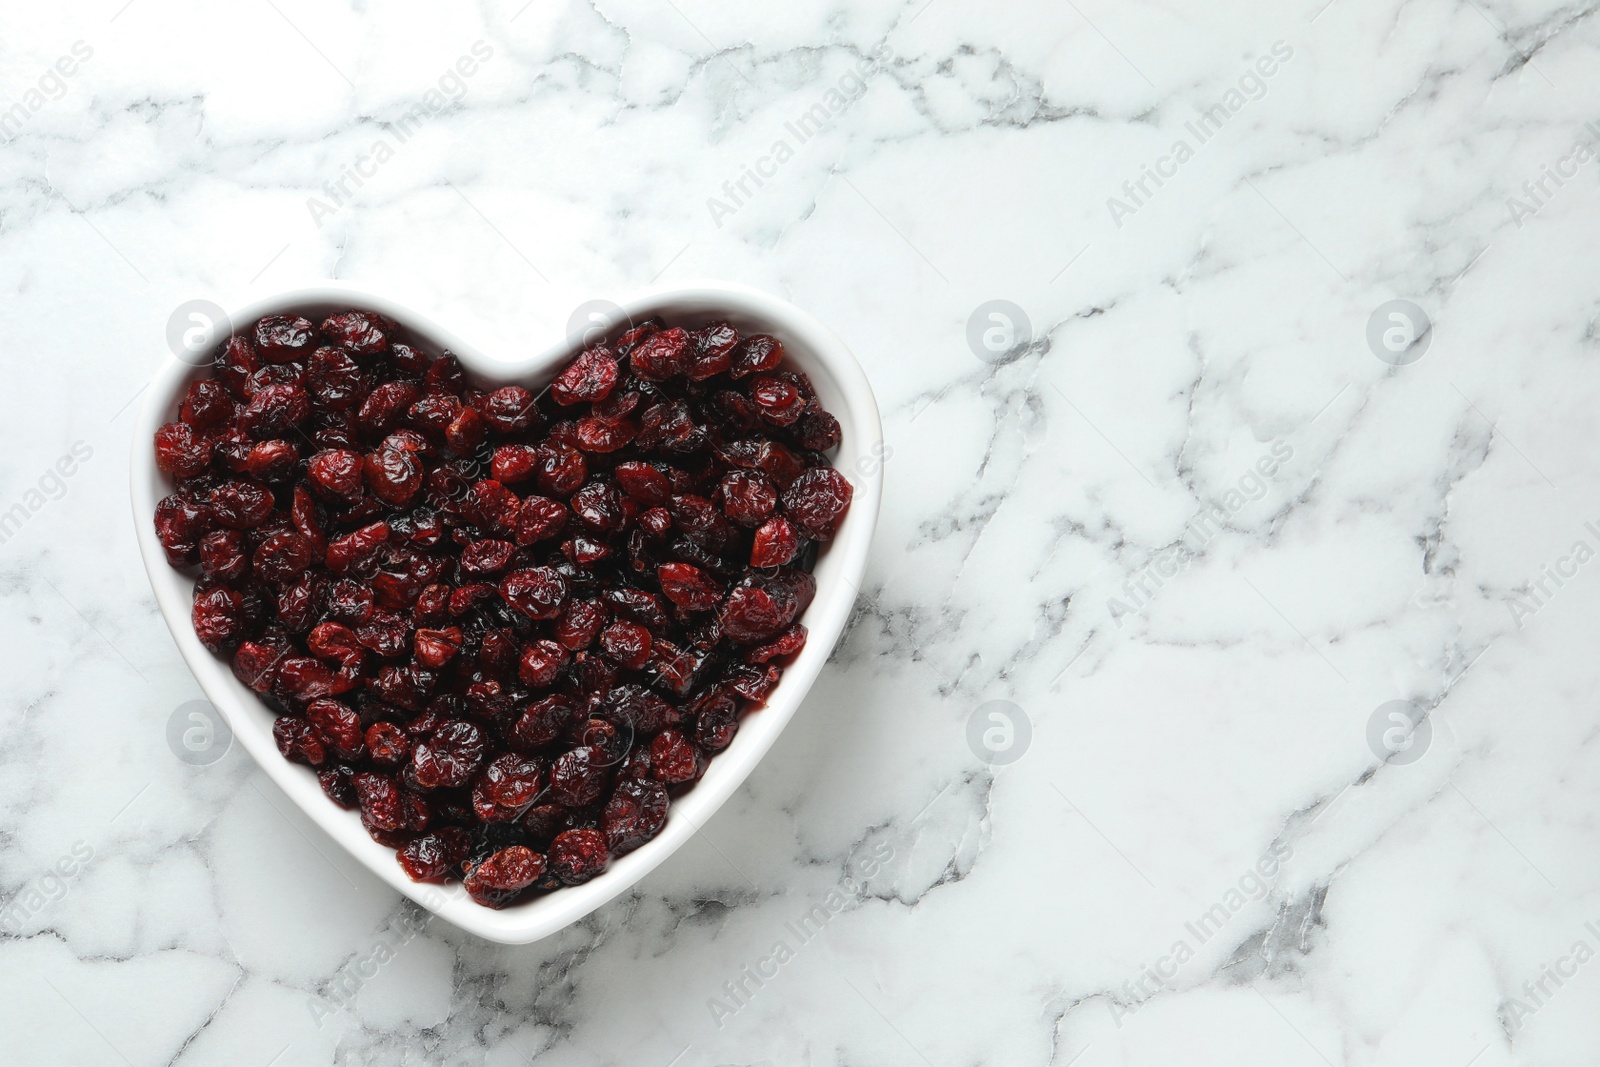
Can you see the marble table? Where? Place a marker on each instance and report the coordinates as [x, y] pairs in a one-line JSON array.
[[1221, 690]]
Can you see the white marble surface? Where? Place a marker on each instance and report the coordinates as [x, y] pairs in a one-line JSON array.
[[1215, 728]]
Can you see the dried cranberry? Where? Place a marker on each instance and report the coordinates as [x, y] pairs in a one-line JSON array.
[[688, 587], [635, 813], [298, 742], [240, 505], [578, 776], [816, 501], [537, 592], [358, 331], [661, 355], [387, 744], [578, 855], [674, 758], [507, 787], [628, 643], [181, 450], [540, 662], [206, 405], [776, 543], [437, 855], [542, 722], [445, 648], [589, 377], [509, 409], [747, 497], [449, 757], [498, 880], [280, 338]]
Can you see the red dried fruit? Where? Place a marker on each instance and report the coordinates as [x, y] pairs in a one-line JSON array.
[[385, 406], [779, 402], [688, 587], [336, 784], [759, 352], [486, 557], [560, 469], [224, 555], [776, 543], [357, 551], [337, 727], [507, 787], [787, 643], [181, 450], [218, 617], [816, 501], [494, 507], [282, 557], [298, 742], [393, 475], [628, 643], [275, 411], [435, 648], [498, 880], [578, 776], [435, 856], [537, 592], [578, 855], [449, 756], [272, 461], [603, 435], [256, 665], [635, 813], [589, 377], [334, 380], [673, 758], [240, 505], [542, 722], [387, 744], [580, 625], [540, 519], [206, 405], [511, 464], [713, 348], [358, 331], [281, 338], [644, 483], [509, 409], [818, 431], [540, 663], [661, 355], [416, 618], [747, 497]]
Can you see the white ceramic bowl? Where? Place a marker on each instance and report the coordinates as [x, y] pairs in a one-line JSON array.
[[809, 346]]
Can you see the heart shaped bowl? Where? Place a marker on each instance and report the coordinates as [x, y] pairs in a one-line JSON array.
[[809, 347]]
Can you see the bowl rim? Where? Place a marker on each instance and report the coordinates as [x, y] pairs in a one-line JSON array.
[[840, 568]]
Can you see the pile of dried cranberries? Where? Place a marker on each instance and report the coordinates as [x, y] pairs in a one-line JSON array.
[[508, 627]]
